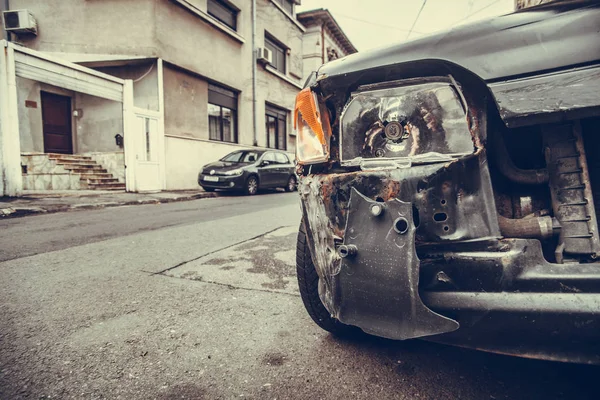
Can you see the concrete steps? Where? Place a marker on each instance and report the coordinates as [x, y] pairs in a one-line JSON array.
[[88, 172]]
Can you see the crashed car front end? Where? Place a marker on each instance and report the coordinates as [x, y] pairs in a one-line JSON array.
[[420, 225]]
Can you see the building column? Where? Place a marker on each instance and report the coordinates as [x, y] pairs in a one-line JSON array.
[[129, 150], [10, 144]]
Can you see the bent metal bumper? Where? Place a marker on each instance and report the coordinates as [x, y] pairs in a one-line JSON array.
[[487, 293]]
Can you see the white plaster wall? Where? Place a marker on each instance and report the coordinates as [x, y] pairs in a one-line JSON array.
[[101, 120], [145, 82], [94, 26], [30, 119], [312, 51], [186, 105]]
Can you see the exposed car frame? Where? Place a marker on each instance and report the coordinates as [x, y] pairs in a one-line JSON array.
[[495, 249]]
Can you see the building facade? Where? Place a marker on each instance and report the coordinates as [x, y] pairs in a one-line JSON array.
[[200, 89], [323, 40]]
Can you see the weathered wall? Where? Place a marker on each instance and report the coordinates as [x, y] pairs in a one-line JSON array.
[[101, 120], [270, 19], [145, 82], [311, 49], [186, 99], [272, 88], [30, 119], [94, 27], [162, 28]]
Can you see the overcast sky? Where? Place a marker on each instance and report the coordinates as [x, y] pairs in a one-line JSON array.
[[373, 23]]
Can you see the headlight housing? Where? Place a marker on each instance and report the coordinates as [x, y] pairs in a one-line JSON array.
[[234, 172], [311, 121], [411, 121]]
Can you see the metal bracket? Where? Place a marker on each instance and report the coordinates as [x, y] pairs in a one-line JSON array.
[[379, 281]]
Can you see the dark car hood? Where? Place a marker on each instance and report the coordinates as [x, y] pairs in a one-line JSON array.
[[222, 166], [553, 36]]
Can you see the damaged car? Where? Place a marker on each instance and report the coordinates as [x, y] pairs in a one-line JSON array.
[[450, 187]]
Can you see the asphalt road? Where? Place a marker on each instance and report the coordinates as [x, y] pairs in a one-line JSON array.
[[198, 300]]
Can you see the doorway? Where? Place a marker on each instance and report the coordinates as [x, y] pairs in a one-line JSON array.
[[56, 118]]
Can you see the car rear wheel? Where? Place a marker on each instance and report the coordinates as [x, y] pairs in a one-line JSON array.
[[251, 186], [308, 283], [207, 189], [291, 184]]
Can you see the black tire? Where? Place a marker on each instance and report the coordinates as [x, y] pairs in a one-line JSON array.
[[291, 184], [308, 282], [251, 187], [206, 189]]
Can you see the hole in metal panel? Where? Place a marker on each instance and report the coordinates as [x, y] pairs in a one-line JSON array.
[[440, 217], [401, 225]]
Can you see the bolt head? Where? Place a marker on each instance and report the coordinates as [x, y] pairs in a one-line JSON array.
[[376, 209]]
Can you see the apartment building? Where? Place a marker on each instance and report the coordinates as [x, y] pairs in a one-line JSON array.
[[196, 79]]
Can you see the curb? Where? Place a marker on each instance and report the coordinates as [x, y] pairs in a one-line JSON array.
[[15, 212]]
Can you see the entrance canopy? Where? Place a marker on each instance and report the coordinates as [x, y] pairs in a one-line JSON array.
[[41, 67], [17, 61]]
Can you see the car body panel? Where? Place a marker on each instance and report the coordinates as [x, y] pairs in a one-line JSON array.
[[562, 35], [536, 69]]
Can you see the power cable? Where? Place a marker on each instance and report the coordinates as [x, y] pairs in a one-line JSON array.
[[416, 19], [478, 11], [374, 23]]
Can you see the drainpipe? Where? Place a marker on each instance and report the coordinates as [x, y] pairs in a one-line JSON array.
[[323, 43], [5, 33], [254, 110]]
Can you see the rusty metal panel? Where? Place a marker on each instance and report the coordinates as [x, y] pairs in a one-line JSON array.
[[378, 289]]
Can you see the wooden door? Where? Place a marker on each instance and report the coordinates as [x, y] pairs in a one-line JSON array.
[[56, 118]]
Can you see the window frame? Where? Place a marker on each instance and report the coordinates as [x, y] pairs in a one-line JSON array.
[[219, 5], [276, 47], [223, 99], [281, 119]]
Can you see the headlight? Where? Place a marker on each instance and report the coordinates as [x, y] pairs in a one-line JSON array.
[[311, 121], [234, 172], [412, 122]]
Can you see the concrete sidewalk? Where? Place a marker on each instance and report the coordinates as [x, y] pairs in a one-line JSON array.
[[37, 202]]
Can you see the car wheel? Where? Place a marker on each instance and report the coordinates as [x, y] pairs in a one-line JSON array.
[[308, 283], [251, 186], [291, 184], [207, 189]]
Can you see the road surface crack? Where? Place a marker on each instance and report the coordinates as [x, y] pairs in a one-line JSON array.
[[233, 287], [162, 272]]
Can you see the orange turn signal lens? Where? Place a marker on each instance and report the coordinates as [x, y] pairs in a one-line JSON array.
[[311, 121]]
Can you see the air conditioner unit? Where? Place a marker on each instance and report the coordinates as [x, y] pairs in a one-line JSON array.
[[264, 55], [19, 21]]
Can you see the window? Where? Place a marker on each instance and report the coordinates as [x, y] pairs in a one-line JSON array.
[[278, 53], [223, 12], [276, 123], [222, 114], [282, 158], [270, 157], [288, 5], [245, 157]]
